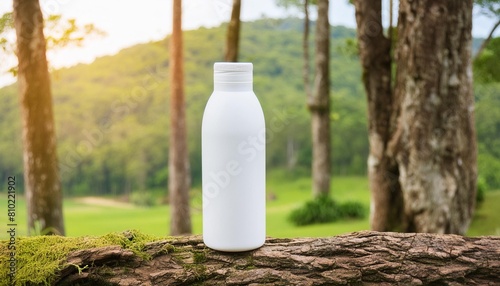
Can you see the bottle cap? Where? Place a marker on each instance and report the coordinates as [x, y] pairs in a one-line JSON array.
[[233, 72]]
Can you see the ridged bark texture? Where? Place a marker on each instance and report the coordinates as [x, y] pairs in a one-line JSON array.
[[422, 163], [436, 142], [375, 54], [365, 258]]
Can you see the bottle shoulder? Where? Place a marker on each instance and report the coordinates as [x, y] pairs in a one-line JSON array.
[[221, 101], [238, 111]]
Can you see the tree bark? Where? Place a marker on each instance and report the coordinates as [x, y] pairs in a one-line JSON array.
[[364, 258], [233, 33], [422, 163], [41, 173], [319, 105], [375, 55], [435, 144], [179, 177]]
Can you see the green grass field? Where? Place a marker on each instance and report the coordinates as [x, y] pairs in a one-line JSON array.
[[100, 216]]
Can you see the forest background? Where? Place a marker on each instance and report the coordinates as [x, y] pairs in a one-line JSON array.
[[112, 115]]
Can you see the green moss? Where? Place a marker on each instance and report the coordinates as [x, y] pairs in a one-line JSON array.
[[169, 248], [248, 265], [198, 270], [38, 258], [192, 261], [199, 257]]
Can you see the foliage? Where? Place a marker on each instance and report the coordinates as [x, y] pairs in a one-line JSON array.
[[486, 71], [142, 199], [352, 210], [319, 210], [486, 68], [59, 32], [485, 221], [40, 257], [6, 23], [488, 132], [482, 187], [323, 209]]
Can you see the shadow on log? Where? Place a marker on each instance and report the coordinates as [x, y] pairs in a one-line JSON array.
[[362, 258]]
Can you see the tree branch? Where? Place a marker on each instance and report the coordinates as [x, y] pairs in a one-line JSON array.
[[351, 259], [486, 41]]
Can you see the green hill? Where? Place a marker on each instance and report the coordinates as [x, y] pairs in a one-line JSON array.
[[112, 115]]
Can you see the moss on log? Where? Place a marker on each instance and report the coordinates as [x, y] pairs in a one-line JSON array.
[[361, 258]]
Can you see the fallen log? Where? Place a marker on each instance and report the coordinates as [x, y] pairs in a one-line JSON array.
[[361, 258]]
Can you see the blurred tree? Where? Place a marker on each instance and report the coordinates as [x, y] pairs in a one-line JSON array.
[[375, 50], [490, 8], [319, 105], [233, 33], [306, 71], [41, 175], [178, 166], [292, 157], [422, 162], [318, 98]]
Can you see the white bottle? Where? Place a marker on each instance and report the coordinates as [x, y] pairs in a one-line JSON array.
[[233, 162]]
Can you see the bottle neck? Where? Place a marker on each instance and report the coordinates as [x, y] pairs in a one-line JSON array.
[[233, 86]]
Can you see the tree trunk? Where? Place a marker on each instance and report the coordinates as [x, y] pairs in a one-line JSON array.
[[306, 71], [178, 167], [375, 54], [41, 173], [233, 33], [319, 105], [364, 258], [291, 153], [422, 163], [435, 142]]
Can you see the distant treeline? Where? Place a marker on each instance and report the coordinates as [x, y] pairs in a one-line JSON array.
[[112, 115]]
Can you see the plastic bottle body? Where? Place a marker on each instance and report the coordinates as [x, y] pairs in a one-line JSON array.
[[233, 170]]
